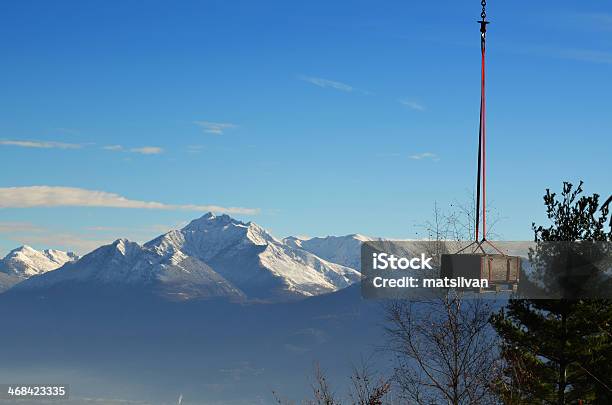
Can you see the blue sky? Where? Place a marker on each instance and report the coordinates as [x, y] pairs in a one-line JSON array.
[[314, 118]]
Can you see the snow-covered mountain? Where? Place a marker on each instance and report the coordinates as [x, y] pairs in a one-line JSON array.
[[125, 264], [253, 260], [212, 256], [344, 250], [25, 262]]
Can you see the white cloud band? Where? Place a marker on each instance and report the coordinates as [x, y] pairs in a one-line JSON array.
[[49, 196], [147, 150], [424, 155], [39, 144], [325, 83], [414, 105]]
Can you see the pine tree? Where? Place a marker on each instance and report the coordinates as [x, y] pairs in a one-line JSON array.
[[560, 351]]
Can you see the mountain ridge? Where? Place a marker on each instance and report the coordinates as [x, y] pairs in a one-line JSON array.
[[344, 250], [212, 256]]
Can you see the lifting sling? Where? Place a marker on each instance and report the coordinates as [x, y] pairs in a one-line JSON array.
[[481, 174]]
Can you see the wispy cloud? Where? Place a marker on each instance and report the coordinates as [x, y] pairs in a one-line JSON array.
[[50, 196], [425, 155], [414, 105], [216, 128], [143, 150], [39, 144], [115, 148], [325, 83], [147, 150]]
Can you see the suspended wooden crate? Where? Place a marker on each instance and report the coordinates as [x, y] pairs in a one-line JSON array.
[[501, 271]]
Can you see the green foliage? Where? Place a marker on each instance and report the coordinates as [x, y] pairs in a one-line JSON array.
[[574, 218], [560, 351]]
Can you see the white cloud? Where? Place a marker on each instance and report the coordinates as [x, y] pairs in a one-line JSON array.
[[116, 148], [425, 155], [49, 196], [147, 150], [414, 105], [216, 128], [324, 83], [143, 150], [39, 144]]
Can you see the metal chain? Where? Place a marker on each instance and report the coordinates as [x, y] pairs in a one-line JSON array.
[[483, 22]]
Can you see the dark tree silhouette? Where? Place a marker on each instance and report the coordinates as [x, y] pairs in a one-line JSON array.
[[560, 351]]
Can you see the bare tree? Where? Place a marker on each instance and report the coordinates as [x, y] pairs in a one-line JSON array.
[[321, 390], [445, 350], [367, 389], [457, 222]]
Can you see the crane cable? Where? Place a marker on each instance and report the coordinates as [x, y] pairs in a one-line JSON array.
[[481, 176]]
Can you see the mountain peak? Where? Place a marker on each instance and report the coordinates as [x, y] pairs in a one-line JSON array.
[[360, 237], [29, 251], [23, 248], [209, 220], [25, 261], [124, 246]]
